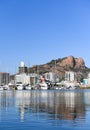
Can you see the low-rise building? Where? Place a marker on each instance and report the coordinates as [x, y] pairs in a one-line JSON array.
[[23, 78], [26, 78]]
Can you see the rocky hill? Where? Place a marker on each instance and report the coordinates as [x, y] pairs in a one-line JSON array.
[[59, 66]]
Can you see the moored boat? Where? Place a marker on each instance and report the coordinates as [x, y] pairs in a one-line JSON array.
[[19, 87], [1, 87], [6, 87], [43, 86], [28, 87]]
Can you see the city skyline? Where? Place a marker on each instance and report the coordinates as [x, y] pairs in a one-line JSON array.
[[38, 31]]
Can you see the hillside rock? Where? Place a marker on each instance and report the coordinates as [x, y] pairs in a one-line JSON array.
[[79, 63], [61, 65], [68, 62]]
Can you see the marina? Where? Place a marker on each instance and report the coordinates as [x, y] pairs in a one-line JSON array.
[[44, 65], [41, 86]]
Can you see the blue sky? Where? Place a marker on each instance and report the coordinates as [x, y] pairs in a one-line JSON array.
[[37, 31]]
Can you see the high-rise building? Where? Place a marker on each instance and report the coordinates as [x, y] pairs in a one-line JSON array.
[[4, 78]]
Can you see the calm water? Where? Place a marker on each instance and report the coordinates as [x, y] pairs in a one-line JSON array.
[[41, 110]]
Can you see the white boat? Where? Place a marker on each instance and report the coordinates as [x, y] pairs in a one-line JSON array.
[[1, 87], [20, 87], [43, 86], [6, 87], [28, 87]]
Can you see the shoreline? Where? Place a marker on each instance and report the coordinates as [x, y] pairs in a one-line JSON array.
[[85, 86]]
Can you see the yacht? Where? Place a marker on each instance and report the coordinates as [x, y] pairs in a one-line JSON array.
[[28, 87], [43, 86], [19, 86]]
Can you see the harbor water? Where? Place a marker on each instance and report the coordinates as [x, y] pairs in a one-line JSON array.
[[45, 110]]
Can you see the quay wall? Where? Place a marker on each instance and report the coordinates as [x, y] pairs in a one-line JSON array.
[[85, 86]]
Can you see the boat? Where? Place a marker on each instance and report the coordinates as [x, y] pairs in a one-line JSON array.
[[6, 87], [1, 87], [19, 86], [28, 87], [43, 86]]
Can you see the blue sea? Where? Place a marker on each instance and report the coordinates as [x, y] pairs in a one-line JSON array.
[[45, 110]]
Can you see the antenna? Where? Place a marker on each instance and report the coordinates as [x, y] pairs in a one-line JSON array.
[[55, 66], [28, 67]]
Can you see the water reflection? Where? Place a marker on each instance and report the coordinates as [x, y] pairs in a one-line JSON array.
[[6, 99], [58, 105]]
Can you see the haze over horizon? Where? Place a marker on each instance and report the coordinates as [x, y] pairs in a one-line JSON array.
[[38, 31]]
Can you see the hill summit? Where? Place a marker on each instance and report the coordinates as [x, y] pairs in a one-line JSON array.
[[59, 66]]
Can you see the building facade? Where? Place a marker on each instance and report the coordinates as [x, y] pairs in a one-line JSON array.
[[22, 68], [4, 78], [88, 79], [51, 77], [70, 76], [26, 78]]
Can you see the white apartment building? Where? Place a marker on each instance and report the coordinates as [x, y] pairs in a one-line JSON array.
[[23, 78], [26, 78], [51, 77], [70, 76]]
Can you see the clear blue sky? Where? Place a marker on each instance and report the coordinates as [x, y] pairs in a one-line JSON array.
[[37, 31]]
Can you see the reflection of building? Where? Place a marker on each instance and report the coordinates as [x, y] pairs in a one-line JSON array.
[[4, 78], [5, 101], [70, 76], [45, 104], [65, 105]]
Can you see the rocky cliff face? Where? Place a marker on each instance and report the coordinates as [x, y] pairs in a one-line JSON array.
[[79, 63], [59, 66], [69, 62], [72, 63]]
